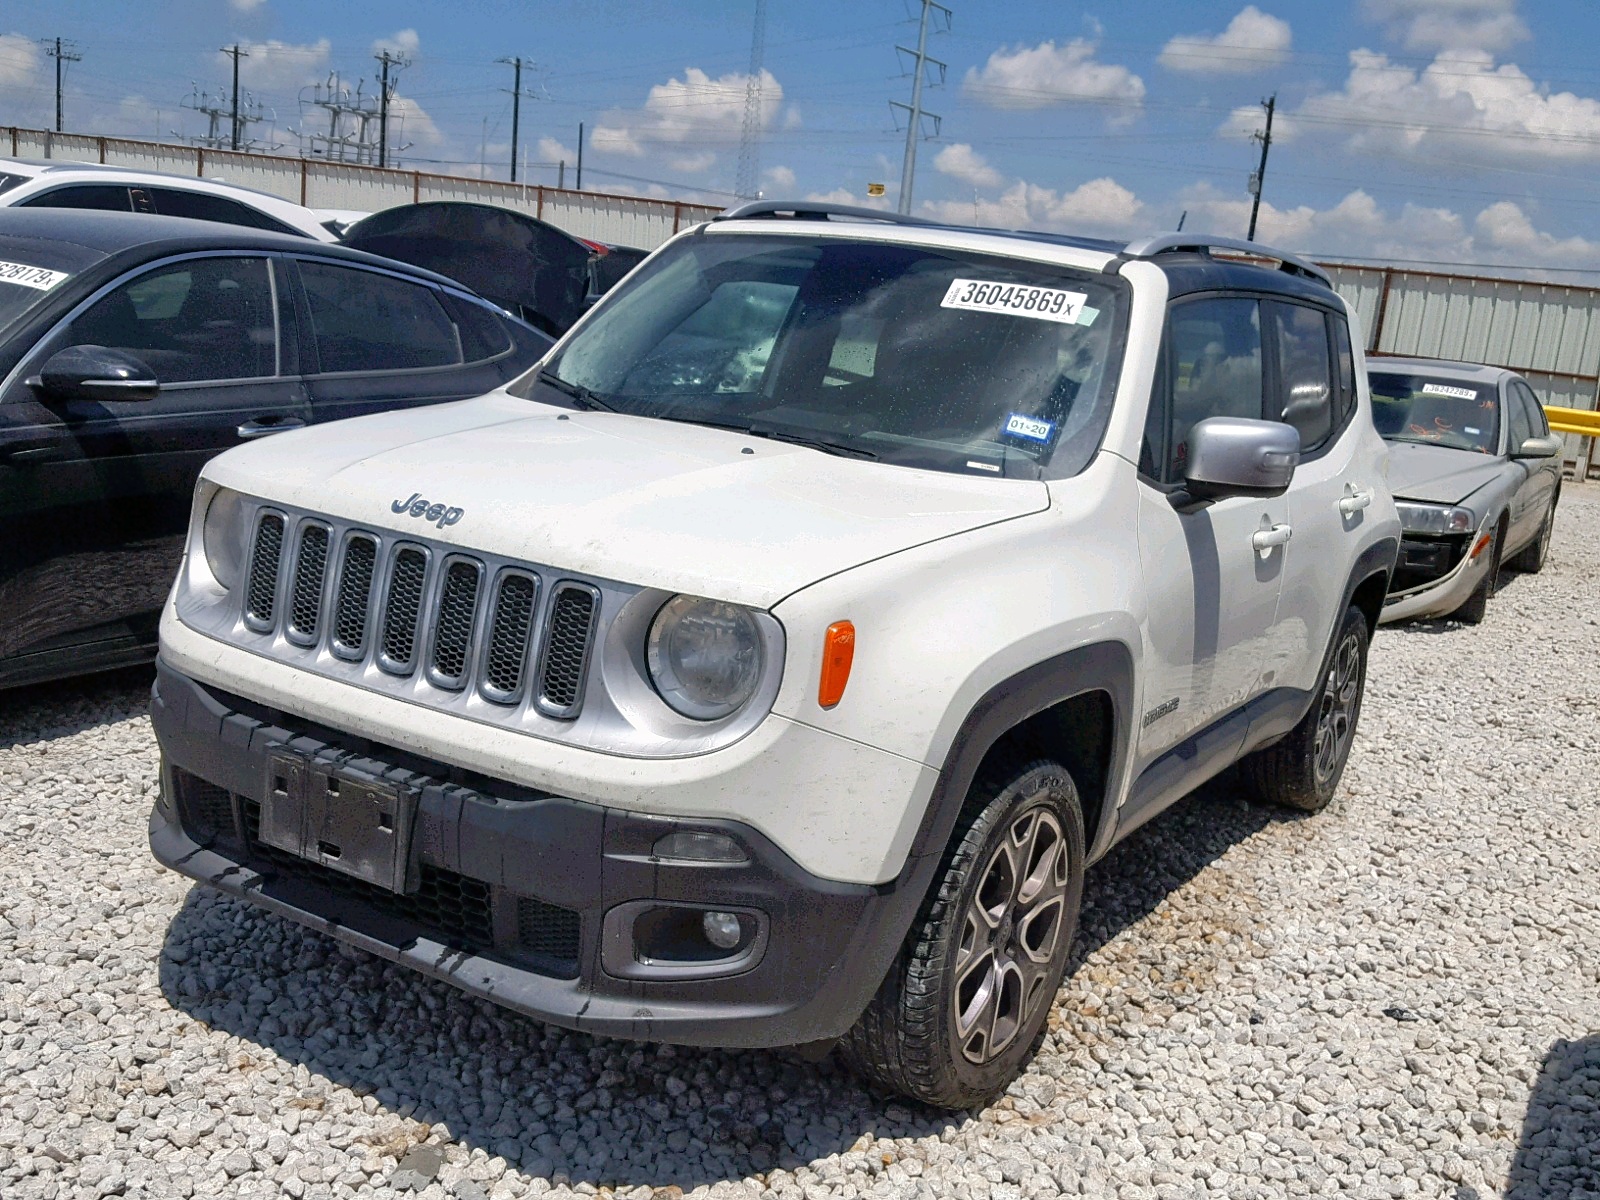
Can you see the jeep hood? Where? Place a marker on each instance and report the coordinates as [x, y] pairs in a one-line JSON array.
[[1439, 474], [632, 499]]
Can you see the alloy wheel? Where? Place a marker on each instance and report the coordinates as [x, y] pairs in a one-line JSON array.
[[1336, 716]]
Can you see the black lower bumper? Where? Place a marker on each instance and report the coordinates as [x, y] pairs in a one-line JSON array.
[[526, 899]]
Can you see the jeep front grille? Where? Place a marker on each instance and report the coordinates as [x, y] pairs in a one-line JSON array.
[[456, 620]]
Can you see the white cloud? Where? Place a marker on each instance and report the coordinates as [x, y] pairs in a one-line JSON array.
[[1100, 206], [552, 150], [611, 140], [405, 42], [693, 109], [779, 179], [1032, 77], [245, 6], [692, 163], [1461, 101], [843, 195], [19, 60], [1450, 24], [1505, 228], [961, 161], [410, 123], [280, 65], [1252, 41]]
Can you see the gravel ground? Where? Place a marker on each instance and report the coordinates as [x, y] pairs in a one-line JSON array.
[[1397, 998]]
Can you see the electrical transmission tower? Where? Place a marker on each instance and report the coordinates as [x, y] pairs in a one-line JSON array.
[[516, 64], [750, 136], [385, 94], [352, 121], [921, 60], [63, 51], [236, 53], [228, 120]]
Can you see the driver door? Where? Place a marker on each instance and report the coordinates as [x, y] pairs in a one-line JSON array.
[[98, 491]]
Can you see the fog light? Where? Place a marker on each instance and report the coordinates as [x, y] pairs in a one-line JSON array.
[[721, 929], [699, 846]]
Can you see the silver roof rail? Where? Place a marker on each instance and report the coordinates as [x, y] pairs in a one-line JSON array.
[[814, 209], [1168, 243]]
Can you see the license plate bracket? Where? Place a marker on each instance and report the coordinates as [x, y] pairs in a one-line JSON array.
[[339, 818]]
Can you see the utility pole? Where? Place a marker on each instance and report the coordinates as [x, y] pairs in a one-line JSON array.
[[750, 135], [63, 52], [579, 184], [236, 54], [914, 113], [386, 60], [516, 107], [1260, 176]]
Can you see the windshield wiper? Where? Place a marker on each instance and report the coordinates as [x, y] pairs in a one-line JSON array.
[[585, 398], [773, 435]]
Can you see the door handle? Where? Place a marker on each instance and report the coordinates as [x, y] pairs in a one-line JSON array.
[[1354, 501], [266, 425], [1266, 539], [27, 454]]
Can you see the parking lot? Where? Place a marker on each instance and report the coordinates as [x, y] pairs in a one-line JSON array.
[[1399, 997]]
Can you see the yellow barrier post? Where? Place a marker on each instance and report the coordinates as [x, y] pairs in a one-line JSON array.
[[1573, 420]]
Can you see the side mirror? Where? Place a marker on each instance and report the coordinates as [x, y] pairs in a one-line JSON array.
[[1237, 456], [1539, 447], [95, 373]]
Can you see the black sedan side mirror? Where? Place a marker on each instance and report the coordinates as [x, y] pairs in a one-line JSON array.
[[1539, 447], [1237, 456], [95, 373]]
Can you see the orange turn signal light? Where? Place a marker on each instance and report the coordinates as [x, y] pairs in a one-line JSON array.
[[1483, 544], [838, 652]]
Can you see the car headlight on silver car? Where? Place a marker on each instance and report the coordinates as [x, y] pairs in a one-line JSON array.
[[705, 656], [224, 538], [1435, 519]]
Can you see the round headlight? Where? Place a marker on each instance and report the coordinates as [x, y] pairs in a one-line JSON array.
[[704, 656], [223, 537]]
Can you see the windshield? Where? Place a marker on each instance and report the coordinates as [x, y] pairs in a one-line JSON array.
[[1438, 412], [924, 357]]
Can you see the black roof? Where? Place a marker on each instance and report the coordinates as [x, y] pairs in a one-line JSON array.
[[113, 233]]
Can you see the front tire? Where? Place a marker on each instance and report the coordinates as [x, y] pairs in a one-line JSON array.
[[966, 1000], [1530, 559], [1303, 770], [1473, 609]]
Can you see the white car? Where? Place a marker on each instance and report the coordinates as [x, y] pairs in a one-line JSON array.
[[58, 183], [766, 666]]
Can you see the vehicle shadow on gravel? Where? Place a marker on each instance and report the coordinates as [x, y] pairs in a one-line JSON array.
[[52, 710], [577, 1109], [1558, 1154]]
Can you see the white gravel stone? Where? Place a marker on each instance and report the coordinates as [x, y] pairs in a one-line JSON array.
[[1397, 998]]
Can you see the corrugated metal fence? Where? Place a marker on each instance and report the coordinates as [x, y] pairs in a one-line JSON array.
[[627, 220], [1547, 332]]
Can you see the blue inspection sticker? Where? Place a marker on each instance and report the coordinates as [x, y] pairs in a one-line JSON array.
[[1022, 426]]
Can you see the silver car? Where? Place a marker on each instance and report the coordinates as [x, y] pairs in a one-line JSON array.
[[1476, 476]]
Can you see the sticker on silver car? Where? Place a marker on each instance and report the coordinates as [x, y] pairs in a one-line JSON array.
[[25, 275], [1444, 389], [1019, 300]]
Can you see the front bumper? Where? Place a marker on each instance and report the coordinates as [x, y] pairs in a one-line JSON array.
[[1442, 596], [521, 897]]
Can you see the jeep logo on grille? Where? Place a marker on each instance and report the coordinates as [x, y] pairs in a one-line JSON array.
[[426, 510]]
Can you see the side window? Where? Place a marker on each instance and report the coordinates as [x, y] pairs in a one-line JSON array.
[[1536, 418], [1305, 376], [1213, 369], [84, 195], [1345, 367], [1521, 419], [200, 319], [483, 335], [197, 206], [367, 321]]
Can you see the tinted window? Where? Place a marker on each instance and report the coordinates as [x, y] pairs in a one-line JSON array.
[[7, 182], [1536, 418], [366, 321], [1213, 369], [483, 334], [1522, 421], [1443, 412], [1345, 367], [205, 318], [85, 195], [1305, 375], [198, 206]]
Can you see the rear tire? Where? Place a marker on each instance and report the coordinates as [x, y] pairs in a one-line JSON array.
[[1473, 609], [1303, 770], [1530, 559], [965, 1002]]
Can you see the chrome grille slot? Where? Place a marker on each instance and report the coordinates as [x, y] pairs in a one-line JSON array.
[[305, 591], [453, 622], [261, 594], [408, 572], [354, 596], [505, 660], [569, 631]]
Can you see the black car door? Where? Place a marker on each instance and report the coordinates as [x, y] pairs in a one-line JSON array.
[[97, 492], [376, 341]]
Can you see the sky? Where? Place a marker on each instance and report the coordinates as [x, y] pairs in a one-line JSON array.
[[1418, 131]]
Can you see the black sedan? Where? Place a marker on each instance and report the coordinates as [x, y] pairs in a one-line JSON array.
[[133, 348]]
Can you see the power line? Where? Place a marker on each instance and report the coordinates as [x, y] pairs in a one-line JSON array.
[[63, 51], [914, 113]]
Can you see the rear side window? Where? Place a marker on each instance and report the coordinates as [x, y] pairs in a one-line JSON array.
[[1212, 369], [1536, 417], [483, 335], [367, 321], [83, 195], [1305, 374], [200, 319], [1522, 421], [198, 206], [1345, 367]]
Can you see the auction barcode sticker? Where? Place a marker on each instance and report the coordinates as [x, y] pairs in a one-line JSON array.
[[1020, 300], [41, 278], [1444, 389]]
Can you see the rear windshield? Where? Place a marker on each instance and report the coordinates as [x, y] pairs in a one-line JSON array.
[[7, 182], [1438, 412], [924, 357], [23, 285]]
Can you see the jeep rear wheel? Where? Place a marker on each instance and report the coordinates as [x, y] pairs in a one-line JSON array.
[[966, 1000], [1303, 770]]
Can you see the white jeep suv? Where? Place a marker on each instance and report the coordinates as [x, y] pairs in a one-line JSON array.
[[766, 666]]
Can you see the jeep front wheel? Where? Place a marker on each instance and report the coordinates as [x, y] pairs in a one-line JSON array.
[[966, 1001]]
